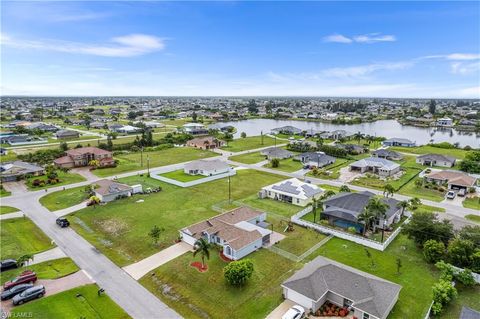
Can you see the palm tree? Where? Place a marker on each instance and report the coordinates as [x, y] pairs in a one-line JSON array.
[[379, 210], [328, 194], [202, 247], [415, 202], [366, 217], [358, 136], [388, 190], [317, 204], [403, 205]]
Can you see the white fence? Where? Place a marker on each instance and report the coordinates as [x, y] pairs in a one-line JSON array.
[[429, 311], [475, 275], [206, 179]]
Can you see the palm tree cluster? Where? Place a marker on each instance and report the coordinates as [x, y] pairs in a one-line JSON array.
[[375, 210]]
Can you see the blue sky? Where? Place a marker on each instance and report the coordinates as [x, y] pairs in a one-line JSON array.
[[394, 49]]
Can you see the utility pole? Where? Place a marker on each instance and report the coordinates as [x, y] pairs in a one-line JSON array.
[[141, 157], [148, 165]]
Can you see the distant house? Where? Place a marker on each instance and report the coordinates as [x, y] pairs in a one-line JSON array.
[[398, 142], [342, 210], [239, 232], [151, 124], [352, 148], [276, 152], [65, 134], [207, 167], [13, 171], [376, 165], [194, 129], [79, 157], [292, 191], [453, 179], [289, 130], [127, 129], [322, 280], [315, 159], [42, 127], [445, 121], [339, 134], [205, 143], [436, 160], [97, 125], [107, 190], [387, 154], [22, 139]]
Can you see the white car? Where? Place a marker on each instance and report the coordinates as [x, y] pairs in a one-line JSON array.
[[296, 312], [451, 195]]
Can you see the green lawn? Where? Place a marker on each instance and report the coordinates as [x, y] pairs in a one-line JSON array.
[[64, 198], [10, 156], [332, 171], [180, 176], [373, 181], [474, 218], [132, 162], [410, 189], [467, 296], [414, 298], [52, 269], [7, 210], [472, 202], [271, 205], [80, 302], [20, 236], [287, 165], [4, 193], [207, 295], [427, 149], [250, 143], [120, 228], [430, 209], [65, 179], [248, 158]]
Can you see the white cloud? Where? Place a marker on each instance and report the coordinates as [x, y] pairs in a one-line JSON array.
[[338, 38], [465, 68], [123, 46], [463, 56], [364, 70]]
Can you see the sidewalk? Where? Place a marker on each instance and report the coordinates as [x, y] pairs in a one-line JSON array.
[[51, 254]]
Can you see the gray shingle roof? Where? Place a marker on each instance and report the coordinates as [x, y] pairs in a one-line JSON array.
[[206, 165], [375, 162], [469, 313], [437, 157]]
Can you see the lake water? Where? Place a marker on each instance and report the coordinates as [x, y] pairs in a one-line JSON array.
[[387, 128]]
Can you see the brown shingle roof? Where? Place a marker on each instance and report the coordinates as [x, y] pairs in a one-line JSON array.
[[107, 187], [87, 150], [457, 178]]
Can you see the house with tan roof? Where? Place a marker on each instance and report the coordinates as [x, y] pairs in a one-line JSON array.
[[239, 232], [207, 167], [454, 179], [79, 157], [107, 190], [205, 143]]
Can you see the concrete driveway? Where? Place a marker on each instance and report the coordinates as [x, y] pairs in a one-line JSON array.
[[346, 175], [15, 187], [85, 172], [278, 312], [141, 268], [51, 254]]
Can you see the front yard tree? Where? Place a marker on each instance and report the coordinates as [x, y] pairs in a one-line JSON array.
[[24, 260], [155, 233], [398, 262], [460, 252], [425, 225], [415, 202], [275, 162], [202, 247], [403, 205], [243, 135], [344, 189], [433, 250], [238, 272], [388, 190]]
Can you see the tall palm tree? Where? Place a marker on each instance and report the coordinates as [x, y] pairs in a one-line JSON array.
[[317, 206], [358, 136], [366, 217], [202, 247], [327, 194], [388, 190], [403, 205], [377, 207]]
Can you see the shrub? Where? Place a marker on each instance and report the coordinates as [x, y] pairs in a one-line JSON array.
[[433, 250], [465, 277], [352, 230], [443, 293], [238, 272]]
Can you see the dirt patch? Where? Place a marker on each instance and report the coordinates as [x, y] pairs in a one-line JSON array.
[[113, 227]]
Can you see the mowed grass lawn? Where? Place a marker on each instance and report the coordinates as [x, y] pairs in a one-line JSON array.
[[374, 182], [179, 175], [52, 269], [427, 149], [132, 162], [416, 276], [207, 295], [7, 210], [248, 158], [80, 302], [20, 236], [467, 296], [250, 143], [65, 179], [473, 218], [286, 165], [120, 228], [472, 202], [64, 198], [410, 189]]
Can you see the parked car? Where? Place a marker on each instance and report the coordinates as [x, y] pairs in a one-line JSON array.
[[296, 312], [462, 192], [9, 293], [8, 264], [62, 222], [27, 276], [29, 294], [451, 195]]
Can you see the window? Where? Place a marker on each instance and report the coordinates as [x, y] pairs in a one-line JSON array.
[[298, 201], [366, 316]]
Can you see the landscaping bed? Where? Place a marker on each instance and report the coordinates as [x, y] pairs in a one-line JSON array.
[[42, 182]]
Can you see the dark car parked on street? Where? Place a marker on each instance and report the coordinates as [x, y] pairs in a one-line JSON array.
[[62, 222], [8, 264], [27, 276], [29, 294], [9, 293]]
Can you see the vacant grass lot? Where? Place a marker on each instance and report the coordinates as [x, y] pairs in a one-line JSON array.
[[20, 236], [248, 158], [427, 149], [287, 165], [472, 202], [179, 175], [208, 295], [132, 162], [376, 183], [65, 179], [52, 269], [64, 198], [120, 228], [250, 143], [7, 210], [80, 302]]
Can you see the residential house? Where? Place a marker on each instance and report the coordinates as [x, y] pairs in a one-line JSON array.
[[342, 210], [323, 280], [42, 127], [288, 130], [276, 152], [352, 148], [13, 171], [436, 160], [82, 156], [398, 142], [107, 190], [194, 129], [445, 121], [127, 129], [205, 143], [207, 167], [292, 191], [22, 139], [65, 134], [315, 159], [380, 166], [455, 180], [387, 154], [97, 125], [239, 232], [339, 134]]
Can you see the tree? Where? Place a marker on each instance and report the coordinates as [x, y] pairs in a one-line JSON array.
[[228, 136], [471, 162], [388, 190], [446, 270], [275, 162], [155, 233], [460, 252], [398, 262], [25, 259], [202, 247], [317, 205], [243, 135], [366, 217], [64, 146], [358, 136], [94, 200], [94, 163], [415, 202], [369, 256], [328, 194], [433, 251], [443, 293], [238, 272], [471, 233], [403, 205], [465, 277], [425, 225], [377, 207], [344, 189], [194, 116], [432, 107]]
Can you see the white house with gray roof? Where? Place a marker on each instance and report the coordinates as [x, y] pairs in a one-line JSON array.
[[322, 280], [436, 160], [292, 191], [207, 167], [276, 152], [315, 159], [398, 142], [376, 165]]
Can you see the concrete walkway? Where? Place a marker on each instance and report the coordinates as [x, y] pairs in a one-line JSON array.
[[141, 268], [11, 215], [51, 254], [278, 312]]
